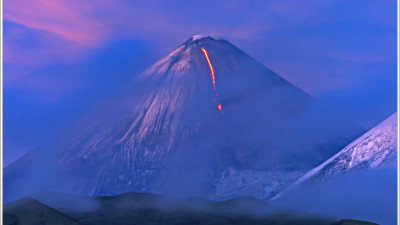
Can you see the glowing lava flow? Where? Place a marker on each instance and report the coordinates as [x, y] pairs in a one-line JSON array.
[[212, 74], [211, 67], [220, 107]]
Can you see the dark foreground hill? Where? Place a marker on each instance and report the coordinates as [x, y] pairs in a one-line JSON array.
[[149, 209], [30, 211]]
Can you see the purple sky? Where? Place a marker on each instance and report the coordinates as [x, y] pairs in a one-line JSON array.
[[61, 57]]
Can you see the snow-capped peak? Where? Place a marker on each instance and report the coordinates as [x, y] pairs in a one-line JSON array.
[[178, 61], [198, 37]]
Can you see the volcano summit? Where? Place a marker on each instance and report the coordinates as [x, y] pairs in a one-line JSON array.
[[206, 120]]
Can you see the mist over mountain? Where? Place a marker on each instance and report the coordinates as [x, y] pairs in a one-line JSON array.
[[206, 120]]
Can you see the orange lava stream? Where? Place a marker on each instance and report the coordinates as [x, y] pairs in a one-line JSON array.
[[211, 67], [212, 74]]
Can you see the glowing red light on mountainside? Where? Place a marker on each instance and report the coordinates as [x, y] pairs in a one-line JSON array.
[[211, 67], [212, 74]]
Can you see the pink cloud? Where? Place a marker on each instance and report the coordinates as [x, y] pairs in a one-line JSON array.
[[48, 48], [67, 30], [77, 26], [57, 31], [67, 19]]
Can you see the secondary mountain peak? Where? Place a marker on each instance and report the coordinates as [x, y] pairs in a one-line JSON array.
[[376, 148]]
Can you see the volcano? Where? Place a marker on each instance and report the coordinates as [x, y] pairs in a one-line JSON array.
[[206, 120]]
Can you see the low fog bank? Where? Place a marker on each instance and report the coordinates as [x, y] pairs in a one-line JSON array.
[[245, 206], [155, 209], [369, 195]]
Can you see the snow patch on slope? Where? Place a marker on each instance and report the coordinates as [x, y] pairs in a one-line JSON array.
[[258, 184]]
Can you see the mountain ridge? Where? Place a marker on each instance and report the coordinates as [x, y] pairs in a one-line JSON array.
[[373, 149]]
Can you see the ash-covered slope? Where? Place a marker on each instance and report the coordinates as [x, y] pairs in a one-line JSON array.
[[375, 148], [206, 120]]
